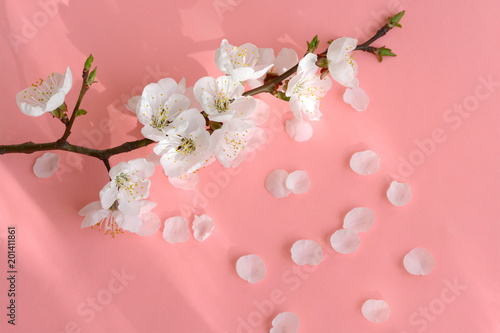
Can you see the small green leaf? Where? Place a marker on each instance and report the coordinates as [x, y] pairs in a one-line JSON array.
[[88, 63], [383, 52], [91, 77], [313, 45], [394, 20], [63, 107], [80, 112]]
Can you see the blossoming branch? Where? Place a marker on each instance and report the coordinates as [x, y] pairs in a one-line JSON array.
[[215, 120]]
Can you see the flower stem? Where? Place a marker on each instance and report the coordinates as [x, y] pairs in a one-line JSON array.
[[102, 154], [366, 45], [269, 86], [83, 90]]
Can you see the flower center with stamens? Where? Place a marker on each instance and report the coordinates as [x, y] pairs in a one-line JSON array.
[[222, 103], [109, 223], [350, 59], [122, 181], [234, 142], [297, 88], [42, 91], [187, 146], [160, 120]]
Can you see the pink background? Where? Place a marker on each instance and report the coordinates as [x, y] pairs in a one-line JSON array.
[[446, 51]]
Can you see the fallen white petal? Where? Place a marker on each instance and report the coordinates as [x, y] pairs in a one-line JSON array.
[[276, 183], [306, 252], [46, 165], [399, 194], [186, 182], [376, 311], [202, 227], [345, 241], [365, 162], [359, 219], [357, 98], [298, 182], [251, 268], [298, 130], [176, 230], [285, 322], [419, 261]]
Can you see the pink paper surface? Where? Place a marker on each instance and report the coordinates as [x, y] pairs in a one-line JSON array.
[[433, 119]]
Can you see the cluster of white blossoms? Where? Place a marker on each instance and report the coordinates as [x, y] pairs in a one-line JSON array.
[[213, 120], [122, 204], [217, 120]]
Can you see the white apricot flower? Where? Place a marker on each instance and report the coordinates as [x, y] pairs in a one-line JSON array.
[[243, 62], [222, 99], [128, 185], [307, 88], [286, 59], [114, 221], [232, 141], [45, 95], [160, 104], [186, 148], [341, 64]]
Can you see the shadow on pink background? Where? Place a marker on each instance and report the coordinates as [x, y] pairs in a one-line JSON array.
[[445, 78]]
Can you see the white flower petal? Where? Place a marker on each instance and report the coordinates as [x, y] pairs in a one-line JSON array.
[[108, 195], [298, 182], [298, 130], [202, 227], [419, 261], [365, 162], [46, 165], [286, 59], [261, 112], [242, 73], [359, 219], [130, 223], [306, 252], [357, 98], [176, 230], [153, 158], [342, 66], [399, 194], [345, 241], [186, 182], [340, 47], [94, 213], [251, 268], [127, 205], [376, 311], [151, 223], [285, 322], [93, 206], [67, 81], [133, 103], [276, 183]]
